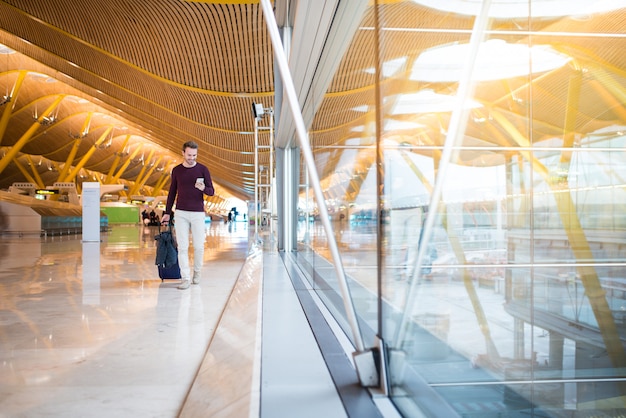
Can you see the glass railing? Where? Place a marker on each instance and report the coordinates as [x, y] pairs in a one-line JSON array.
[[495, 270]]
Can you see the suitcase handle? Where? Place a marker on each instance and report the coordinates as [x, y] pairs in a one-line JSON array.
[[167, 224]]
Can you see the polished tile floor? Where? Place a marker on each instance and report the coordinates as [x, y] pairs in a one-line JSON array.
[[89, 329]]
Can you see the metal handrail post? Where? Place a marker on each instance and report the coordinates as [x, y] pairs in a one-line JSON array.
[[256, 179], [364, 363], [270, 176]]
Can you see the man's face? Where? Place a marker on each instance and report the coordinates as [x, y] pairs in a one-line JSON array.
[[190, 156]]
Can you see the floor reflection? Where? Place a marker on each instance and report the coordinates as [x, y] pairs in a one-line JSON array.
[[91, 325]]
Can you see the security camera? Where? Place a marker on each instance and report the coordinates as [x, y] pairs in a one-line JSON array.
[[257, 109]]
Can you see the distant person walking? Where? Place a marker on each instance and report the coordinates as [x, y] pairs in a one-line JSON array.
[[190, 182]]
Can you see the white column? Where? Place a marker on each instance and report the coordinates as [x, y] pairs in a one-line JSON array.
[[91, 211]]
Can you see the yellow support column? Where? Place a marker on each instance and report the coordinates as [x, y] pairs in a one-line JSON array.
[[68, 160], [116, 161], [159, 185], [15, 149], [74, 150], [139, 178], [87, 156], [25, 172], [126, 164], [8, 110], [36, 175]]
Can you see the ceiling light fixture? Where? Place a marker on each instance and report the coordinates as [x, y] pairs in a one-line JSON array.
[[496, 60], [511, 9]]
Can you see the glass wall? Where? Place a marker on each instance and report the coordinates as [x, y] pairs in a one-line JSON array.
[[476, 180]]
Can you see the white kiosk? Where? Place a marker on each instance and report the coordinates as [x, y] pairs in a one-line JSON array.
[[91, 211]]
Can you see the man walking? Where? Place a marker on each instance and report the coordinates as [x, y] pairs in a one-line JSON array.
[[190, 182]]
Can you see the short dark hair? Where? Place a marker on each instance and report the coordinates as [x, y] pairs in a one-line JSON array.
[[190, 144]]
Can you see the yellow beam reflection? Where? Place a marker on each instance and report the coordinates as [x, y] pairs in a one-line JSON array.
[[457, 248], [580, 248]]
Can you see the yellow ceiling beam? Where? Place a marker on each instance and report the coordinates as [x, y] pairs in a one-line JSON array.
[[141, 178], [116, 161], [123, 168], [162, 181], [25, 173], [87, 156], [8, 110], [69, 159], [33, 168], [15, 149]]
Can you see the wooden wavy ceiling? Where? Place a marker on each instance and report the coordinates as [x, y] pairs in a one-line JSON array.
[[171, 71], [168, 71]]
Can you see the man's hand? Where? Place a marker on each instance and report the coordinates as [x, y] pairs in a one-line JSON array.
[[165, 219]]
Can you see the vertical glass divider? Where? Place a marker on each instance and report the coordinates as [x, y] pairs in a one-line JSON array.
[[364, 360], [458, 122]]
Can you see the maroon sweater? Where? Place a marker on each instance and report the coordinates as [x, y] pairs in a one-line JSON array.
[[183, 190]]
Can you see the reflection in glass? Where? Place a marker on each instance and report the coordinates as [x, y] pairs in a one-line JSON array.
[[519, 9], [496, 60], [91, 273], [519, 289]]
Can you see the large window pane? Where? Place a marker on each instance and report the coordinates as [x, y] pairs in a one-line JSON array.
[[497, 217]]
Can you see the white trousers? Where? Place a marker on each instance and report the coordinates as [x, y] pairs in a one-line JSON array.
[[185, 221]]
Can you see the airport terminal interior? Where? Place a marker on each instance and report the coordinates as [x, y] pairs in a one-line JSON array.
[[419, 208]]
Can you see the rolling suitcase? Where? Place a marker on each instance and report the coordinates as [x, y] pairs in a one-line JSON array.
[[167, 255], [172, 272]]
